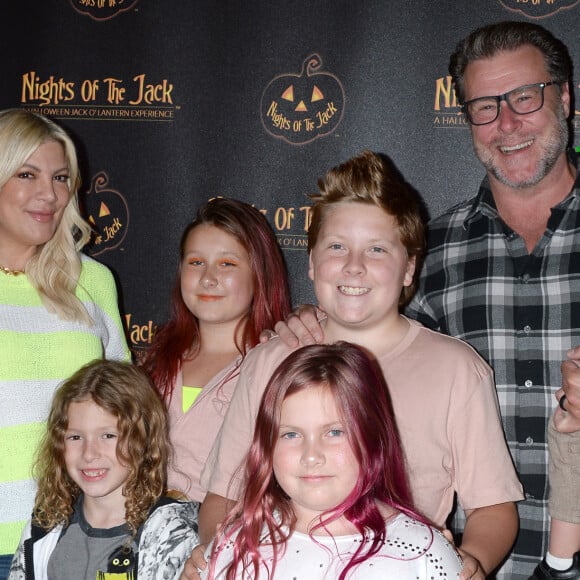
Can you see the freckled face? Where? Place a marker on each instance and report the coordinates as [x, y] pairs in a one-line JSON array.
[[313, 460], [216, 276], [359, 266], [33, 200]]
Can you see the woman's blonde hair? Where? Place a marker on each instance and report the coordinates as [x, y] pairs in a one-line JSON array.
[[126, 392], [54, 270]]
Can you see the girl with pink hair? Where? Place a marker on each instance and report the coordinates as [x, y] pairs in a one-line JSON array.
[[231, 284], [327, 493]]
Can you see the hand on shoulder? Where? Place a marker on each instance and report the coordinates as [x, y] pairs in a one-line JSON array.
[[302, 327]]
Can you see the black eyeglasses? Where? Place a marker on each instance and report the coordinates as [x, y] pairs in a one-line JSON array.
[[523, 101]]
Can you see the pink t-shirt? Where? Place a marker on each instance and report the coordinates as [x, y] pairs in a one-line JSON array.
[[193, 433], [446, 407]]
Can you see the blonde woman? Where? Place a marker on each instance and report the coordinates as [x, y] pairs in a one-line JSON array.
[[58, 308]]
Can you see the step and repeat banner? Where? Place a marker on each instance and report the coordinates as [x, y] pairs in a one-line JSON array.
[[175, 102]]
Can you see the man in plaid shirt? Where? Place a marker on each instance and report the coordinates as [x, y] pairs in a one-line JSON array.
[[502, 268]]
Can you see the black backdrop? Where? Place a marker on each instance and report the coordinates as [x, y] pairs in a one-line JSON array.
[[175, 102]]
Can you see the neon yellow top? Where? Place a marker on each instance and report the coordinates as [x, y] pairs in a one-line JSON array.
[[188, 396], [38, 351]]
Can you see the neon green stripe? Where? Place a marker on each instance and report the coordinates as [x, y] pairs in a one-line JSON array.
[[19, 293], [10, 536], [19, 444], [55, 355], [101, 282]]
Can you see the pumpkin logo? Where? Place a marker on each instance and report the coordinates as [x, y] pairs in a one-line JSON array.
[[300, 108], [102, 9], [538, 8], [108, 214]]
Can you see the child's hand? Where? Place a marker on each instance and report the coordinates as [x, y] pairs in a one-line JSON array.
[[449, 536], [471, 567], [567, 417], [195, 564]]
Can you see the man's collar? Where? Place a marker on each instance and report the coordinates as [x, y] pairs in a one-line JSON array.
[[483, 203]]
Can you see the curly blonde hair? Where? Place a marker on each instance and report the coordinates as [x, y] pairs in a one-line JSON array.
[[125, 391], [54, 270]]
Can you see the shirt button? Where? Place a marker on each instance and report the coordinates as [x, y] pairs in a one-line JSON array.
[[526, 277], [527, 329], [528, 384], [529, 440]]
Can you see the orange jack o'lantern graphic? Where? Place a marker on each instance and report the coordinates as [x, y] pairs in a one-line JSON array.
[[108, 214], [538, 8], [302, 107], [102, 9]]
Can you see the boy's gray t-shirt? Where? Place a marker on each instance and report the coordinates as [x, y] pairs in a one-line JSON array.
[[90, 553]]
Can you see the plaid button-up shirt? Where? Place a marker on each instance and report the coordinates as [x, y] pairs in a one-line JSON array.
[[522, 313]]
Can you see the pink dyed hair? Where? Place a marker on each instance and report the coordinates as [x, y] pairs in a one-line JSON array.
[[271, 300], [358, 387]]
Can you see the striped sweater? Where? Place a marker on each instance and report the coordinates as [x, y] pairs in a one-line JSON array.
[[38, 351]]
